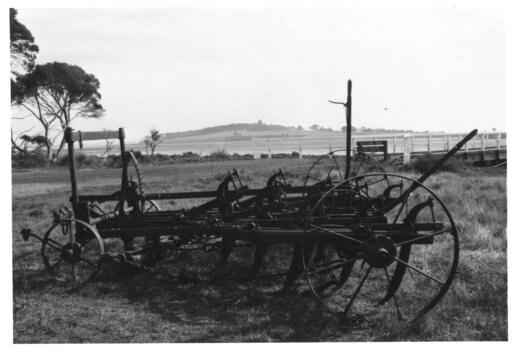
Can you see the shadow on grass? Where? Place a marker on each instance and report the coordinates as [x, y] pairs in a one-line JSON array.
[[253, 311]]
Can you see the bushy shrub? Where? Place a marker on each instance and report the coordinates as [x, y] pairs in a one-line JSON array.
[[219, 154], [82, 160], [138, 155], [33, 160], [112, 161], [424, 162], [161, 157]]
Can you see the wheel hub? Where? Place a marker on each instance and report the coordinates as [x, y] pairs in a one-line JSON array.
[[379, 251], [71, 252]]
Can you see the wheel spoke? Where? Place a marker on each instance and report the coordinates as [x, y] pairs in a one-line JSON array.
[[419, 270], [422, 237], [315, 178], [357, 291], [56, 264], [337, 234], [59, 248], [399, 315], [74, 272]]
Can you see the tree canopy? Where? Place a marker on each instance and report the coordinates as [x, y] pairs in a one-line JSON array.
[[22, 47], [57, 92], [64, 91]]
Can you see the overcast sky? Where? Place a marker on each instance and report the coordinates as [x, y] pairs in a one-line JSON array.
[[179, 69]]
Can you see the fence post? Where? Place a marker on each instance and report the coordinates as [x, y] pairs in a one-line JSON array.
[[395, 144], [411, 143], [300, 152], [429, 143], [498, 141], [407, 148], [483, 139], [448, 142]]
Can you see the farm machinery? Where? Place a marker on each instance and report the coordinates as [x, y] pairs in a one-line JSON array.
[[362, 241]]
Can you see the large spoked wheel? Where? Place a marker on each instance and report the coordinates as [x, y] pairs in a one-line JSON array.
[[326, 171], [72, 251], [380, 242], [330, 167]]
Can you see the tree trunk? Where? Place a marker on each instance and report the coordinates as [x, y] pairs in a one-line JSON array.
[[62, 143]]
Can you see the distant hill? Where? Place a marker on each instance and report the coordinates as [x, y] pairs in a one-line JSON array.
[[235, 131], [235, 127]]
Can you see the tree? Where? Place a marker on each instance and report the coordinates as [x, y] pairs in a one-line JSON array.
[[152, 141], [57, 93], [314, 127], [22, 47]]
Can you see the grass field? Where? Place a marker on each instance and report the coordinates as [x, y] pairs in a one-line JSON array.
[[125, 306]]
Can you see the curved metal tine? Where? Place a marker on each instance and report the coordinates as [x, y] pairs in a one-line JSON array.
[[337, 166], [235, 173], [419, 270], [422, 237], [336, 266], [353, 297], [337, 234], [399, 315], [282, 175]]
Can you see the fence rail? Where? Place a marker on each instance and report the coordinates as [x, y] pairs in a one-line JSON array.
[[424, 143]]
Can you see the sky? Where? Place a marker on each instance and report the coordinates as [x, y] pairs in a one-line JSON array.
[[174, 69]]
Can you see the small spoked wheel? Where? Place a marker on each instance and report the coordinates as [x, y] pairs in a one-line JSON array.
[[380, 242], [72, 251]]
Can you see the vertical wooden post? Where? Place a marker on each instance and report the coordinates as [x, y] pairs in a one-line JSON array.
[[429, 143], [412, 140], [483, 141], [448, 142], [124, 179], [395, 144], [349, 128], [72, 167], [498, 141]]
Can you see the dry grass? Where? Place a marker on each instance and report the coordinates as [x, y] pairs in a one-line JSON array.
[[123, 306]]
